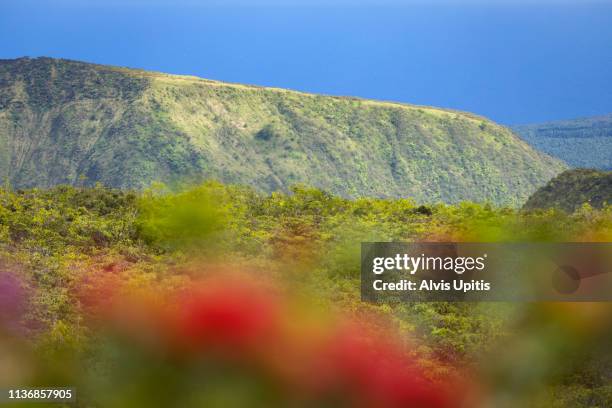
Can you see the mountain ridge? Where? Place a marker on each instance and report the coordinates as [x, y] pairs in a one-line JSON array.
[[190, 77], [582, 143], [68, 122], [573, 188]]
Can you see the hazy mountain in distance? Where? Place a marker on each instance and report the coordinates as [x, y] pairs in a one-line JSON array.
[[583, 143], [67, 122]]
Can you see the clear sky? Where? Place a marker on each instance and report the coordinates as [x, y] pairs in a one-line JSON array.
[[511, 60]]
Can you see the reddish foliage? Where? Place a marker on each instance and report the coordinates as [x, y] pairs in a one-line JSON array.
[[97, 292], [13, 301]]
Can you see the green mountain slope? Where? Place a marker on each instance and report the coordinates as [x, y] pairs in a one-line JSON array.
[[572, 188], [580, 143], [71, 122]]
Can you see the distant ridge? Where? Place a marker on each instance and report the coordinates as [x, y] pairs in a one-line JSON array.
[[68, 122], [583, 142]]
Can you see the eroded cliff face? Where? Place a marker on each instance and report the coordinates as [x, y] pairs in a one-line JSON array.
[[66, 122]]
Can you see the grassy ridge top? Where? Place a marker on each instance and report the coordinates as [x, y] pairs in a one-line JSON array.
[[76, 123]]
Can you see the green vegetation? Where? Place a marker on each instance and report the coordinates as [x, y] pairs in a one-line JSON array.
[[574, 188], [583, 143], [57, 239], [65, 122], [71, 250]]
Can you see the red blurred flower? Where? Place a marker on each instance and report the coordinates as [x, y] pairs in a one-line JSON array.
[[230, 314], [376, 371], [235, 320]]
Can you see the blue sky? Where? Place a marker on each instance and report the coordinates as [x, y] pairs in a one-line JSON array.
[[513, 61]]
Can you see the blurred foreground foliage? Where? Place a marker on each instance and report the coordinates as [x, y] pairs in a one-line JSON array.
[[75, 249]]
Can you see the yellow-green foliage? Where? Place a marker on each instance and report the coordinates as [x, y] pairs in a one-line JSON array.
[[52, 234], [53, 238], [183, 219]]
